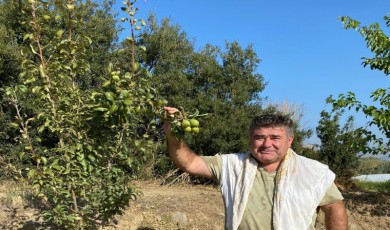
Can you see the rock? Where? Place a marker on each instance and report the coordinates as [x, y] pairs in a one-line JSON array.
[[158, 218], [179, 218], [17, 201]]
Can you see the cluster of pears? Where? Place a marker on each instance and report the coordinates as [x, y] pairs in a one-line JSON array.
[[190, 126], [181, 122]]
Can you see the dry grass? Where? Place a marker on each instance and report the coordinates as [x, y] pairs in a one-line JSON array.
[[183, 206]]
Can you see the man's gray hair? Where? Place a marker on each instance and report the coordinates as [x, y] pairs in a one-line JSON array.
[[272, 120]]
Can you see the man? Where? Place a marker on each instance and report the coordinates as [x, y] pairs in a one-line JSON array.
[[270, 187]]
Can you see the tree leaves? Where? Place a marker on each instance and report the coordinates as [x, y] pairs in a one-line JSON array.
[[77, 139], [340, 145], [379, 44], [377, 41]]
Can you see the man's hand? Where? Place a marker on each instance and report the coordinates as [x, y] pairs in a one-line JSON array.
[[167, 125], [336, 217]]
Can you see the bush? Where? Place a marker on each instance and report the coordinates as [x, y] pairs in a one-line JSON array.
[[373, 186]]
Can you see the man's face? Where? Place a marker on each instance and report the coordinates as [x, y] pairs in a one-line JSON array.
[[270, 144]]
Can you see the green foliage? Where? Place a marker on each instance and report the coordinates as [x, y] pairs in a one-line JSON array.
[[371, 165], [89, 132], [80, 174], [379, 44], [340, 145], [85, 141], [311, 152], [10, 60], [98, 24], [377, 41], [9, 57], [383, 187], [10, 67]]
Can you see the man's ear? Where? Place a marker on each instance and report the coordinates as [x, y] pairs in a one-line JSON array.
[[291, 139]]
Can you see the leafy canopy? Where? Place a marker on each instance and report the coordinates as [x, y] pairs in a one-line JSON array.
[[340, 145], [379, 111]]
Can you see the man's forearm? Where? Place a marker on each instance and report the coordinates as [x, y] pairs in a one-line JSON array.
[[185, 159], [180, 153], [336, 217]]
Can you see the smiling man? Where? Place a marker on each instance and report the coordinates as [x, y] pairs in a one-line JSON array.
[[269, 187]]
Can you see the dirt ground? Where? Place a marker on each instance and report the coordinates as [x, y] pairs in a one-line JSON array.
[[184, 206]]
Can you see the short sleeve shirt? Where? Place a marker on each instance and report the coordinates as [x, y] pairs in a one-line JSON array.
[[258, 211]]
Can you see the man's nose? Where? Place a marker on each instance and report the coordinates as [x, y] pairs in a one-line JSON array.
[[267, 142]]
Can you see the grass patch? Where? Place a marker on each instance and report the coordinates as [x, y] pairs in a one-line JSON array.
[[14, 194], [373, 186]]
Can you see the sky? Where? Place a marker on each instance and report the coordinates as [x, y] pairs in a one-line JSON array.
[[306, 54]]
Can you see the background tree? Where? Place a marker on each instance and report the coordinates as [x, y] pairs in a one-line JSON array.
[[99, 25], [340, 145], [81, 134], [10, 67], [372, 165], [379, 111], [81, 143]]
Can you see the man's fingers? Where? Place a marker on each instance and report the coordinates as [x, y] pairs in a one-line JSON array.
[[170, 110]]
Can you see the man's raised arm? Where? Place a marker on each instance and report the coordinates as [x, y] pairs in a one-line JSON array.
[[183, 157]]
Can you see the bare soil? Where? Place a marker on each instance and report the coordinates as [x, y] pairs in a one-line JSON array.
[[184, 206]]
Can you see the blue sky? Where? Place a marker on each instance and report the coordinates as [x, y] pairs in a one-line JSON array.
[[306, 53]]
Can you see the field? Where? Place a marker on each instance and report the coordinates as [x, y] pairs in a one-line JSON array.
[[184, 206]]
